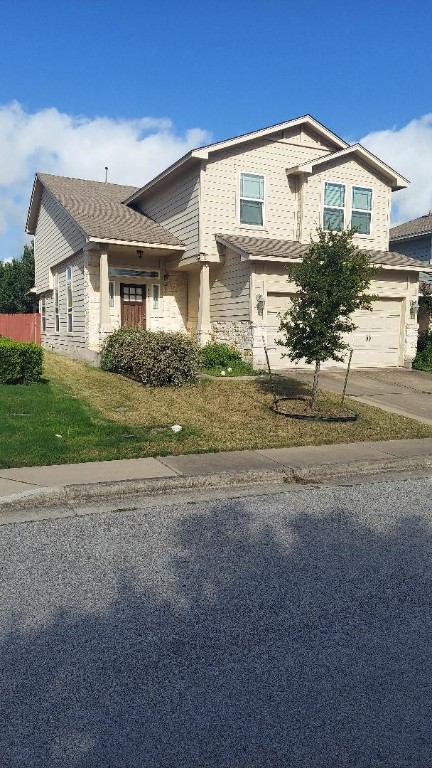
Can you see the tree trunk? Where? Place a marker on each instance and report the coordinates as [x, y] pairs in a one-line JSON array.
[[314, 397]]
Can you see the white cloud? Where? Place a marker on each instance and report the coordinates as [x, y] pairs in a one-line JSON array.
[[53, 142], [409, 151]]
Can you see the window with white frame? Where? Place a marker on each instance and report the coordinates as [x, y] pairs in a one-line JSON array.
[[155, 296], [42, 310], [361, 210], [111, 290], [334, 206], [56, 303], [252, 199], [69, 299]]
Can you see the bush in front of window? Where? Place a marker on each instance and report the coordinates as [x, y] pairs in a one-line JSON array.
[[20, 362], [156, 358]]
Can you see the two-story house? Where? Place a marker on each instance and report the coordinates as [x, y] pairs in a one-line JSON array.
[[203, 247]]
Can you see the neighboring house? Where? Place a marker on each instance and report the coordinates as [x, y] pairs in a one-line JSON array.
[[414, 239], [203, 247]]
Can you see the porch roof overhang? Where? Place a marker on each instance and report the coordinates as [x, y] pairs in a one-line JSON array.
[[291, 251], [136, 244]]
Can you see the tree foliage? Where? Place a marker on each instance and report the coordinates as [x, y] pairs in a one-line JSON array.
[[333, 279], [16, 279]]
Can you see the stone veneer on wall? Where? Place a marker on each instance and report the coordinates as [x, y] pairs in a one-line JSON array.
[[410, 346], [239, 335]]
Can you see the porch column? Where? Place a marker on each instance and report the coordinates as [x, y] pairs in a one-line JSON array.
[[204, 326], [105, 319]]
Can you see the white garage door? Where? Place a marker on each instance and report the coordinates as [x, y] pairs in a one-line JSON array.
[[376, 341]]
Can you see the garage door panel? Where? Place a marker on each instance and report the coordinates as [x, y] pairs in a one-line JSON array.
[[376, 342]]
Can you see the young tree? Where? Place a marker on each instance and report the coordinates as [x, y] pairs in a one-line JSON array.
[[16, 279], [332, 279]]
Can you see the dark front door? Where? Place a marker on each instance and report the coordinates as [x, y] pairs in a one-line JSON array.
[[133, 305]]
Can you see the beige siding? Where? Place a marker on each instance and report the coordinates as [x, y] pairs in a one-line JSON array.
[[220, 190], [351, 173], [56, 238], [229, 289], [63, 341], [176, 208]]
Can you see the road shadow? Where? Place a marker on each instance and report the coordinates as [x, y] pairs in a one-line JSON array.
[[305, 641]]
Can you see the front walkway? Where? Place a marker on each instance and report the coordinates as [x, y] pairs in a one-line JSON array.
[[398, 390]]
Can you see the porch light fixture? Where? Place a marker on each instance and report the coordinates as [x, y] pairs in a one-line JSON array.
[[140, 254], [413, 309], [260, 300]]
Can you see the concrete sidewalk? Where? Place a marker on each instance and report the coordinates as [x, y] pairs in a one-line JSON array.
[[305, 464]]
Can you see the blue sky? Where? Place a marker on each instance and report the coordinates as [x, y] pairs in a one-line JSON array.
[[135, 84]]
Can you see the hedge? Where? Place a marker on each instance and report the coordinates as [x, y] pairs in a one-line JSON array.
[[423, 359], [157, 358], [20, 362]]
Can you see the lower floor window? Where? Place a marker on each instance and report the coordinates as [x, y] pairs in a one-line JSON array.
[[42, 310]]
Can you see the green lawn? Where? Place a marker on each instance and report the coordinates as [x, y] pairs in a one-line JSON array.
[[46, 424], [84, 414]]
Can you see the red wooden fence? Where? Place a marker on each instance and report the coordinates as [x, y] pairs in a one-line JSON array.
[[21, 327]]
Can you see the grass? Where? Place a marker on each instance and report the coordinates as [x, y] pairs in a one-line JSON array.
[[84, 414]]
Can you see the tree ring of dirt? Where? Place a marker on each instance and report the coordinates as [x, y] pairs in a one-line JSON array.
[[309, 417]]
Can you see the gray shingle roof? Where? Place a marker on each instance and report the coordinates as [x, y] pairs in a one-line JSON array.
[[292, 250], [98, 209], [413, 228]]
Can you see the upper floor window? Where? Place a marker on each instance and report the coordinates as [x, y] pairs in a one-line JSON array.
[[361, 210], [252, 199], [334, 206], [69, 299]]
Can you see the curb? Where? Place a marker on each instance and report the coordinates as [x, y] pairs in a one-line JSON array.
[[50, 498]]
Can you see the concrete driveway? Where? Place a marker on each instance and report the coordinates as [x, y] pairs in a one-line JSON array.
[[398, 390]]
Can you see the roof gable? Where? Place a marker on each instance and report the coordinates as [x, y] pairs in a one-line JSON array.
[[204, 153], [355, 150], [97, 209]]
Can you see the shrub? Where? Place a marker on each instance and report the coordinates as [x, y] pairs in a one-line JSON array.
[[20, 362], [423, 358], [156, 358], [215, 355]]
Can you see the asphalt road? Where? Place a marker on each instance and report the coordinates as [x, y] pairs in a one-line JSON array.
[[289, 629]]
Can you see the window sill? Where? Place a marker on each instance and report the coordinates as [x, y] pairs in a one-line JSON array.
[[254, 227]]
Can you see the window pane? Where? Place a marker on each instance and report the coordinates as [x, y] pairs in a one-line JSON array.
[[69, 322], [333, 219], [251, 212], [252, 186], [155, 297], [361, 222], [111, 294], [69, 296], [334, 194], [362, 198]]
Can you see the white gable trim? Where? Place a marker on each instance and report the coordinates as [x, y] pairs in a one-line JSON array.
[[202, 153], [397, 181]]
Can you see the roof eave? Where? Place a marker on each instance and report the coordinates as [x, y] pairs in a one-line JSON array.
[[397, 181], [193, 154], [35, 201], [136, 244], [410, 236]]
